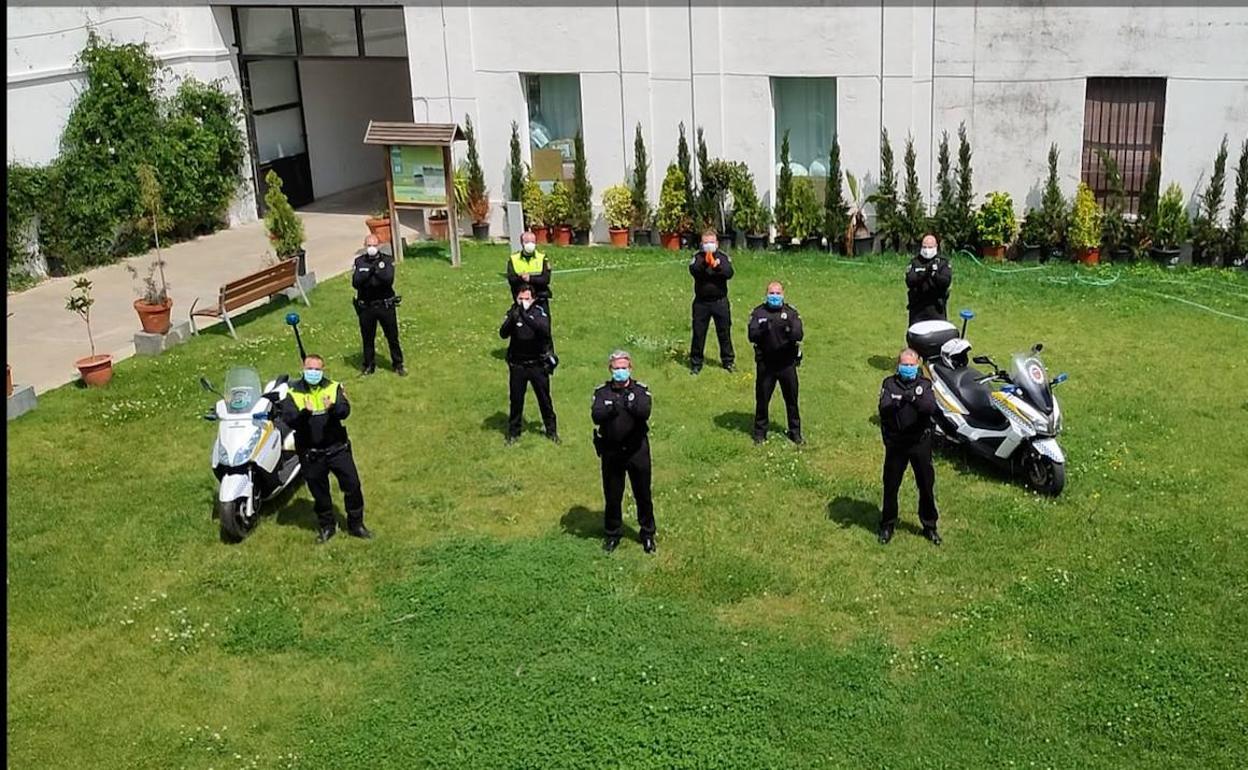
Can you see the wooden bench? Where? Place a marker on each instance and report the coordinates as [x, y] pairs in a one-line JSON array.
[[248, 289]]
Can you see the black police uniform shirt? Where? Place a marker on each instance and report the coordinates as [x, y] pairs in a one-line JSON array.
[[775, 334], [373, 277], [528, 332], [621, 414], [710, 284], [317, 431], [927, 284], [906, 409]]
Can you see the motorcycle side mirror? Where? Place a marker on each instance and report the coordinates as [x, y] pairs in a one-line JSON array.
[[210, 416], [292, 319], [1036, 348], [1059, 379], [966, 315], [985, 360], [206, 385]]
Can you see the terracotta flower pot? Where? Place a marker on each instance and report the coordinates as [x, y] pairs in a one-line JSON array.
[[154, 318], [96, 371], [379, 228], [993, 253], [563, 235], [540, 232], [619, 236], [671, 241], [1090, 256], [439, 229]]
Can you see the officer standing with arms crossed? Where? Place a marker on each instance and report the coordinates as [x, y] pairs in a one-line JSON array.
[[927, 283], [315, 407], [711, 270], [375, 302], [776, 331], [528, 330], [621, 410], [907, 405]]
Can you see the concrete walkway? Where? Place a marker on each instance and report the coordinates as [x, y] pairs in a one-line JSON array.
[[44, 339]]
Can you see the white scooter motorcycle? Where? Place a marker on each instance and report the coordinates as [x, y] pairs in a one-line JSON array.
[[253, 457], [1014, 425]]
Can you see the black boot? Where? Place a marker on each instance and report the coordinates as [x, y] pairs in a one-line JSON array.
[[931, 534], [325, 534], [885, 534], [611, 543], [648, 544]]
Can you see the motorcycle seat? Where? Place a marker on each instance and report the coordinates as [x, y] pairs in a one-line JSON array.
[[975, 397]]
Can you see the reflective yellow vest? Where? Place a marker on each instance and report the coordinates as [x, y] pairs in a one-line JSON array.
[[528, 265], [318, 399]]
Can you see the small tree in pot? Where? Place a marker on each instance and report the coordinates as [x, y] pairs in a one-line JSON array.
[[534, 204], [515, 167], [478, 195], [582, 213], [995, 225], [683, 162], [154, 304], [749, 217], [784, 193], [96, 370], [1086, 222], [1237, 225], [617, 205], [1169, 227], [963, 222], [1114, 226], [673, 217], [283, 224], [1031, 235], [913, 214], [378, 223], [640, 201], [1209, 246], [558, 213], [805, 214], [888, 222], [1055, 212], [836, 211]]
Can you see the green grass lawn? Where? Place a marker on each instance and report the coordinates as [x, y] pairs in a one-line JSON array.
[[485, 628]]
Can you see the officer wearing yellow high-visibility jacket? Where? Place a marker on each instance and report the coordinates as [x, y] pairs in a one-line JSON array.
[[315, 407], [529, 267]]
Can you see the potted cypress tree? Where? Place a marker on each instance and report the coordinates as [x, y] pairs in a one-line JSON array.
[[515, 168], [995, 225], [673, 217], [617, 205], [687, 237], [1086, 223], [913, 215], [836, 210], [1208, 237], [641, 203], [478, 195], [95, 370], [1031, 236], [1237, 223], [887, 217], [858, 233], [582, 213], [558, 211], [154, 304], [534, 204], [749, 217], [1055, 211], [1114, 227], [1170, 227], [805, 215], [283, 224], [963, 231], [784, 194]]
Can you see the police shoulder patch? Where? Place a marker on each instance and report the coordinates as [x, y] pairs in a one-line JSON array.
[[643, 385]]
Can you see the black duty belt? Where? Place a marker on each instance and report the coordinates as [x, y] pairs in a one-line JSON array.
[[318, 453], [387, 303]]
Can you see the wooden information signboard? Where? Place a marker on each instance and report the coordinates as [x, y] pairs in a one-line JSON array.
[[419, 173]]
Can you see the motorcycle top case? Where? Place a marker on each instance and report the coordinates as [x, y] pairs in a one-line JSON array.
[[926, 337]]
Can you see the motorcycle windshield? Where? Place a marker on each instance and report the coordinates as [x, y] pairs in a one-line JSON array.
[[1029, 374], [242, 389]]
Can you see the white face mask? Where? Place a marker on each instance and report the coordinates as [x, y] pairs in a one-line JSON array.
[[709, 247], [371, 250], [927, 252], [526, 303], [529, 248]]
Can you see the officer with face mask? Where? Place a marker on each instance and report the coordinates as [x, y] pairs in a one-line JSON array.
[[375, 303], [528, 330], [315, 407], [907, 405], [776, 331], [711, 269], [621, 410], [529, 267], [927, 283]]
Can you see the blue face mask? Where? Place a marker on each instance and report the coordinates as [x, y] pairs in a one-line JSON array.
[[908, 371], [775, 300], [620, 375], [313, 376]]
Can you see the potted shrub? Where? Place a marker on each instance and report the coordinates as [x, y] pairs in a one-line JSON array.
[[688, 238], [154, 304], [439, 224], [478, 203], [1031, 236], [1114, 236], [1237, 222], [887, 203], [1086, 222], [378, 224], [673, 217], [617, 204], [582, 214], [857, 232], [749, 216], [1209, 240], [805, 214], [1170, 227], [283, 224], [558, 210], [1056, 214], [534, 204], [641, 203], [96, 370], [836, 210], [995, 225]]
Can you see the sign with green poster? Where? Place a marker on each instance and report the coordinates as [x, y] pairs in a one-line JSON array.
[[419, 176]]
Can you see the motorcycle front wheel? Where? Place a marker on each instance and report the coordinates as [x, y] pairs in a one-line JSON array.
[[236, 525], [1043, 474]]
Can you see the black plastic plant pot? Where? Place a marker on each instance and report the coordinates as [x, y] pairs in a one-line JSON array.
[[580, 237], [642, 238], [1030, 252], [1120, 254], [863, 245], [302, 256], [756, 242], [1165, 257], [481, 232]]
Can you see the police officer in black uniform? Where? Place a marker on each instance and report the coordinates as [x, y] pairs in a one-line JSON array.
[[621, 410], [927, 283], [528, 330], [375, 303], [907, 405], [711, 270], [776, 331], [315, 407]]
